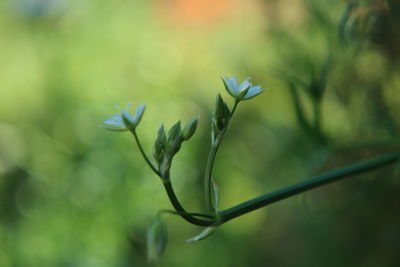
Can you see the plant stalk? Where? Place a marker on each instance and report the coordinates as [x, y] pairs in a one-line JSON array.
[[289, 191], [210, 164], [313, 182], [151, 165]]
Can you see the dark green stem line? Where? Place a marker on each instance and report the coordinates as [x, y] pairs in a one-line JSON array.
[[234, 108], [174, 212], [269, 198], [208, 177], [316, 181], [210, 164], [180, 210], [144, 154]]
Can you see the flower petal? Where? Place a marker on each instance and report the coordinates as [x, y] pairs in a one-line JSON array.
[[244, 85], [113, 122], [231, 85], [139, 113], [113, 128], [116, 118], [253, 92]]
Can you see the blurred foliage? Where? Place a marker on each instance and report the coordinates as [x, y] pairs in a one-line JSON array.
[[72, 194]]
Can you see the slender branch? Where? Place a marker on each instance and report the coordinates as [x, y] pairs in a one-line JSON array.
[[234, 108], [210, 164], [180, 210], [208, 177], [151, 165], [174, 212], [313, 182], [286, 192]]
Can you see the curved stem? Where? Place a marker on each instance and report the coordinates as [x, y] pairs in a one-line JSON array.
[[153, 168], [286, 192], [208, 177], [313, 182], [180, 210], [210, 163]]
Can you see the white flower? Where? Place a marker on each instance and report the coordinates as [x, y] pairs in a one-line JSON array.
[[244, 91], [124, 121]]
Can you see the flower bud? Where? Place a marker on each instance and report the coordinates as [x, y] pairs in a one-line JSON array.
[[174, 140], [221, 114], [159, 145], [189, 129]]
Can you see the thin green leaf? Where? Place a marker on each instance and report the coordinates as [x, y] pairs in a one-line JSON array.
[[203, 235]]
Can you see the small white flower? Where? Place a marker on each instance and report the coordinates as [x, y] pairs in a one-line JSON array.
[[244, 91], [124, 121]]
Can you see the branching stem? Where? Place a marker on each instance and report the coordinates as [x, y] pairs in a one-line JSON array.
[[289, 191], [265, 199]]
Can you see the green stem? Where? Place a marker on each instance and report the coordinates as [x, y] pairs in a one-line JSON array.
[[180, 210], [313, 182], [208, 177], [210, 164], [174, 212], [286, 192], [234, 108], [153, 168]]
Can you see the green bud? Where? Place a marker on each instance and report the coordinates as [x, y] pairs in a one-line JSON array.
[[221, 114], [157, 238], [189, 129], [174, 140], [159, 145]]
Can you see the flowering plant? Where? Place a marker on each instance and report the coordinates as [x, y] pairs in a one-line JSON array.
[[167, 145]]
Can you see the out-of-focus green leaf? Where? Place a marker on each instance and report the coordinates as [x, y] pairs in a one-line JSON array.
[[157, 239]]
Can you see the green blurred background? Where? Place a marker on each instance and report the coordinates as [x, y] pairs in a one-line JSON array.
[[72, 194]]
